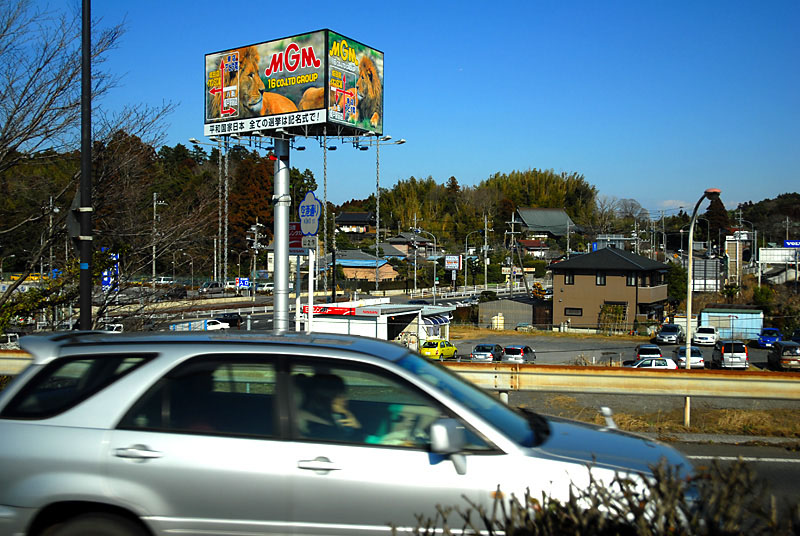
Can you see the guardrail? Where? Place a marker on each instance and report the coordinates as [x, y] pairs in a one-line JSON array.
[[505, 377]]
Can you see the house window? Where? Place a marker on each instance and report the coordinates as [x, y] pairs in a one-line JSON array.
[[600, 279], [569, 279], [631, 279], [573, 311]]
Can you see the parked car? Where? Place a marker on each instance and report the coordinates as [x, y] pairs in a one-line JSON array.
[[486, 353], [164, 280], [730, 354], [215, 325], [796, 335], [647, 350], [768, 337], [210, 288], [705, 335], [670, 334], [438, 349], [9, 341], [419, 302], [784, 355], [519, 353], [696, 360], [234, 320], [206, 434], [114, 328], [664, 363]]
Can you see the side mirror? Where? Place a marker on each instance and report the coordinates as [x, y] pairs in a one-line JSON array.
[[447, 438]]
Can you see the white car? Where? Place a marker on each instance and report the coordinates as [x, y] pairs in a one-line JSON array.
[[705, 335], [663, 363], [214, 324], [696, 360]]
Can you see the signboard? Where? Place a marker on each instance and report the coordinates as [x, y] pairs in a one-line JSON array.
[[310, 209], [243, 282], [344, 311], [296, 239], [298, 84], [452, 262], [791, 243]]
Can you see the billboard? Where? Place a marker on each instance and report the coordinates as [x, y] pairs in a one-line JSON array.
[[300, 84]]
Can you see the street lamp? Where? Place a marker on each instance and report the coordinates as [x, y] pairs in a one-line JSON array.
[[156, 203], [710, 193], [435, 252], [2, 260], [386, 140], [466, 251], [218, 243], [191, 261], [239, 262]]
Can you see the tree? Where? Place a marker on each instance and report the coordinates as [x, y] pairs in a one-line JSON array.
[[717, 217]]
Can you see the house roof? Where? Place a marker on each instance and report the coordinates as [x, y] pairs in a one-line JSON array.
[[546, 220], [533, 244], [388, 250], [408, 238], [355, 218], [610, 259]]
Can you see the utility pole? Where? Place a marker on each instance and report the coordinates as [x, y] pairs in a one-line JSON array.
[[415, 253], [513, 246], [486, 252]]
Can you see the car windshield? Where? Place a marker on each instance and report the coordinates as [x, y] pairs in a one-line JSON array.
[[430, 344], [706, 331], [669, 329], [769, 332], [513, 351], [681, 352], [483, 348], [649, 351], [515, 426]]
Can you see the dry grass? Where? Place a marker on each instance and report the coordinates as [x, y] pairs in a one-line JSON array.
[[774, 423], [471, 332]]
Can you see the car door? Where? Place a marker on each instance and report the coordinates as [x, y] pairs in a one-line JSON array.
[[200, 452], [382, 473]]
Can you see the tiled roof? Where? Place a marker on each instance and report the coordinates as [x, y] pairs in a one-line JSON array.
[[609, 259]]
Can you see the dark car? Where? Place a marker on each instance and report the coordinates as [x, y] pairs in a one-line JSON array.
[[519, 353], [419, 302], [233, 320], [784, 355], [796, 335]]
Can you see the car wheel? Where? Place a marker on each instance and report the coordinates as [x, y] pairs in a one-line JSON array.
[[455, 356], [96, 525]]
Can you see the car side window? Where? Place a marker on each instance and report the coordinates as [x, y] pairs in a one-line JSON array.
[[209, 395], [357, 404], [64, 383]]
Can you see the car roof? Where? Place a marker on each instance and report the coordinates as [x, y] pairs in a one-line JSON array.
[[47, 347]]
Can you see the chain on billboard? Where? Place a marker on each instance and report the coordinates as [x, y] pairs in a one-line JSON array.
[[300, 84]]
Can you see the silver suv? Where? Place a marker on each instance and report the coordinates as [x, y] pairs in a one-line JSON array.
[[235, 433]]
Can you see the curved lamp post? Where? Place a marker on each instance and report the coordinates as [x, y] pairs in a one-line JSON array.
[[435, 252], [710, 194]]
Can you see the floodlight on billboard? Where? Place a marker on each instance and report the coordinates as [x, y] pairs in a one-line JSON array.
[[298, 84]]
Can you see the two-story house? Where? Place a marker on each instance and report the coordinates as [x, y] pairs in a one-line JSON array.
[[608, 287]]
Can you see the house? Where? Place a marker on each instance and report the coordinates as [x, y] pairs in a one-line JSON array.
[[609, 289], [406, 241], [535, 248], [545, 222], [356, 225], [359, 265]]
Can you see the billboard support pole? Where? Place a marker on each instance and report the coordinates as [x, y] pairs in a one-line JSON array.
[[281, 199]]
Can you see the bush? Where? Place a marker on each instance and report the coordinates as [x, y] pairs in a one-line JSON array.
[[716, 501]]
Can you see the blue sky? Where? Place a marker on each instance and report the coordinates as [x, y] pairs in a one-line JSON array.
[[650, 100]]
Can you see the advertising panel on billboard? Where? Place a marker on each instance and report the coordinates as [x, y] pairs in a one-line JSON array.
[[355, 74], [299, 84]]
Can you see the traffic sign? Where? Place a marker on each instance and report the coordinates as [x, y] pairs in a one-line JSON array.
[[310, 209], [243, 282], [310, 242]]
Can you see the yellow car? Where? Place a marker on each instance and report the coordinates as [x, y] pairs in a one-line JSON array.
[[438, 349]]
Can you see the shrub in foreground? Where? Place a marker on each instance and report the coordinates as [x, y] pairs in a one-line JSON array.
[[718, 500]]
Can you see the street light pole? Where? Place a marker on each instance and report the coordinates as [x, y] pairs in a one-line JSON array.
[[710, 193], [191, 262], [435, 252], [466, 252], [156, 203], [218, 242]]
